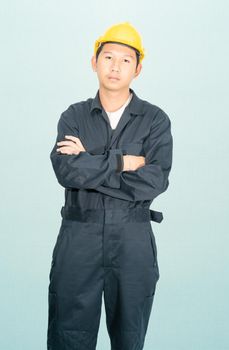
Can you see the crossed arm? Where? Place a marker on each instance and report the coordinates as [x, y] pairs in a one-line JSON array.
[[139, 178], [73, 145]]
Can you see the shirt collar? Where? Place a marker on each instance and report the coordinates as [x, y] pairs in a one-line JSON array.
[[135, 105]]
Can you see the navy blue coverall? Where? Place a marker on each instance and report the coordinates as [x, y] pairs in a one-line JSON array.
[[106, 245]]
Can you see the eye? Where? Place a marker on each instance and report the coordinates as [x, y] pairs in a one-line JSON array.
[[107, 56], [126, 60]]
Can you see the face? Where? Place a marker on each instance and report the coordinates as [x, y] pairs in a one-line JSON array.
[[116, 66]]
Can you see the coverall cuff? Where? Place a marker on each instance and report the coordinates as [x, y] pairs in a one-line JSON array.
[[114, 169]]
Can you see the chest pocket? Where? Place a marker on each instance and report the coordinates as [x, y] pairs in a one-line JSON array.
[[133, 148]]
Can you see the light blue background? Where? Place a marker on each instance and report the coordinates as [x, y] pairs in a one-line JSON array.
[[46, 47]]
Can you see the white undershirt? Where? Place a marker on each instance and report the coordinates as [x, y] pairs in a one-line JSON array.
[[116, 115]]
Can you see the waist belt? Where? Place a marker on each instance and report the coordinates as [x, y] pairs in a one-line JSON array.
[[110, 215]]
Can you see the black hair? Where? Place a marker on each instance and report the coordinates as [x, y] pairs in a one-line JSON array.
[[114, 42]]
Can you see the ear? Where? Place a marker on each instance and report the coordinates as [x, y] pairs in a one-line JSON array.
[[93, 63], [138, 70]]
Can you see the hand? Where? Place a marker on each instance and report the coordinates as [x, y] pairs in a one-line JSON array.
[[133, 162], [74, 146]]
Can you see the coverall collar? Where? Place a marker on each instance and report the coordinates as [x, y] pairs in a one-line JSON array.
[[135, 105]]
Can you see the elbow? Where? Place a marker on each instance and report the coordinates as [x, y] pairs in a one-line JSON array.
[[158, 187], [62, 181], [68, 181], [60, 172], [161, 188]]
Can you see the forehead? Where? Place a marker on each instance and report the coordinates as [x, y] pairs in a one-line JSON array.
[[118, 49]]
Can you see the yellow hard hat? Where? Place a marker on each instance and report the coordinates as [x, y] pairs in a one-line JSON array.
[[123, 33]]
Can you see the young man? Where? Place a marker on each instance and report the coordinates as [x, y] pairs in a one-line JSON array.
[[113, 156]]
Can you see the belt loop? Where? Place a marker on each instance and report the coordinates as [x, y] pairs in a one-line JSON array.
[[62, 212], [156, 216]]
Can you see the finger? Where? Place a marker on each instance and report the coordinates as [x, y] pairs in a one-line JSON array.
[[64, 150], [67, 150], [71, 144], [73, 138], [65, 143]]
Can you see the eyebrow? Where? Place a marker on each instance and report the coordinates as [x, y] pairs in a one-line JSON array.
[[123, 55]]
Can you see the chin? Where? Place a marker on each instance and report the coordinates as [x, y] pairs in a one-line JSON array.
[[111, 86]]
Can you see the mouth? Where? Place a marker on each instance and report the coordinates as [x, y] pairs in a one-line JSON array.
[[113, 78]]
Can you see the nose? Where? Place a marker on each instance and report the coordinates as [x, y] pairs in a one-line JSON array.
[[115, 67]]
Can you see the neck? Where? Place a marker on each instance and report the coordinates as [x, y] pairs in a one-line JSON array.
[[113, 100]]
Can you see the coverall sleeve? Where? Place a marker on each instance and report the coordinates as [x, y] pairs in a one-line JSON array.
[[84, 170], [148, 181]]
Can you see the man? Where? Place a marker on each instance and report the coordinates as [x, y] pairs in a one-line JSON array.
[[113, 156]]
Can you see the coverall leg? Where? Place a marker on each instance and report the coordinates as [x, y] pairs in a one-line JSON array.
[[112, 252]]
